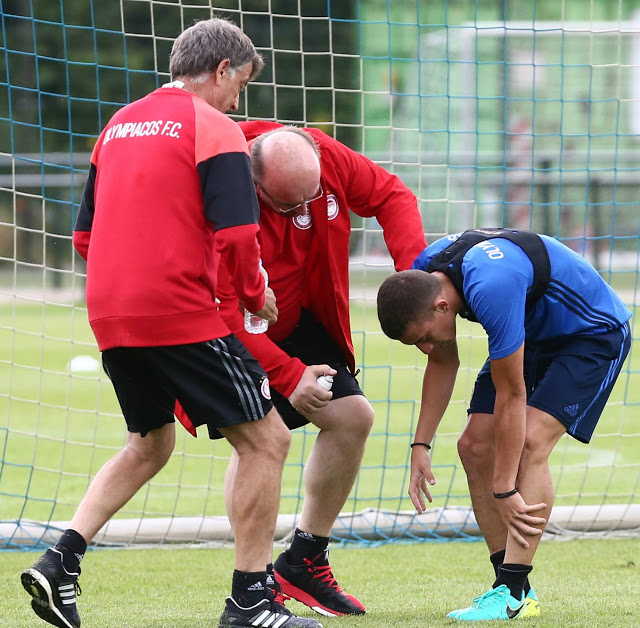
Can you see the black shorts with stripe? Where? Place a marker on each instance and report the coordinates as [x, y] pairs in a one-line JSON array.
[[312, 344], [217, 382]]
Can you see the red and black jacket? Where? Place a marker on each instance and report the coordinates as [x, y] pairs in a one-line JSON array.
[[168, 195]]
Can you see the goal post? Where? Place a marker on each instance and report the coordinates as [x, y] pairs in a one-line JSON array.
[[526, 120]]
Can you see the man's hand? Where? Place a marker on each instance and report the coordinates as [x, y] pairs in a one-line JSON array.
[[517, 517], [269, 309], [308, 396], [421, 477]]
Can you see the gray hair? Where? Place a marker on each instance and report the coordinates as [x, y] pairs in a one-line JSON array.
[[202, 47], [257, 158]]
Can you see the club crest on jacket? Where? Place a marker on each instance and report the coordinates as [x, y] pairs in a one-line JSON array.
[[264, 387]]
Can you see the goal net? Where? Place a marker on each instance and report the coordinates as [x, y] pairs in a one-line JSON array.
[[527, 119]]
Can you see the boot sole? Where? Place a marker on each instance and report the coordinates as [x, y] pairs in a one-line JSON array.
[[308, 600], [38, 587]]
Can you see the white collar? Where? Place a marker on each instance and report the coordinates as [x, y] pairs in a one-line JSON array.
[[178, 84]]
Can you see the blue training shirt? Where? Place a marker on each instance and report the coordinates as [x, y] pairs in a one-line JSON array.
[[498, 274]]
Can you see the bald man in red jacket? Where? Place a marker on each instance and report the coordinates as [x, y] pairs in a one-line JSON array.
[[308, 184]]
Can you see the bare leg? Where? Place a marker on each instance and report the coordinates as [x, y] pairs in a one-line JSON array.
[[121, 477], [303, 571], [334, 462], [332, 466], [534, 476], [229, 480], [476, 450], [261, 448]]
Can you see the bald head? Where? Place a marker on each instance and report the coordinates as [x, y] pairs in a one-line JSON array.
[[286, 163]]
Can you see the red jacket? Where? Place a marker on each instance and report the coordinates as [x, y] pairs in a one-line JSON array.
[[308, 261], [169, 192]]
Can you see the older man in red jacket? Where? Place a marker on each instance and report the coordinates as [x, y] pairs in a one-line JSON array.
[[170, 193], [308, 184]]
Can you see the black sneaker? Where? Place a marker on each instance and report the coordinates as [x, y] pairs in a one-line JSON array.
[[267, 612], [53, 590], [313, 584]]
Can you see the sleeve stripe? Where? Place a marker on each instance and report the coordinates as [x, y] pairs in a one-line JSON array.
[[227, 188]]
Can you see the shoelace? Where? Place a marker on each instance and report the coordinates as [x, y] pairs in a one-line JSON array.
[[324, 572], [74, 576], [279, 597], [485, 599]]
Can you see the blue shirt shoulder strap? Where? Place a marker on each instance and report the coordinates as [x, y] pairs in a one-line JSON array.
[[449, 260]]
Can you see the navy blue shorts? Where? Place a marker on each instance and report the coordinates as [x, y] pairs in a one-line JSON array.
[[311, 344], [570, 379], [217, 382]]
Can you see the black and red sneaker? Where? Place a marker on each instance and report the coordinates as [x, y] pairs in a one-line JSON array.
[[313, 584]]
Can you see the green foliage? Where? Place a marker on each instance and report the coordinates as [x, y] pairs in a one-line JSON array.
[[71, 64]]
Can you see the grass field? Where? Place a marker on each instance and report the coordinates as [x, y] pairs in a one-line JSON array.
[[60, 427], [581, 584]]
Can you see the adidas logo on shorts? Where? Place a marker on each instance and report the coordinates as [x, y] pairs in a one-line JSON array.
[[572, 410]]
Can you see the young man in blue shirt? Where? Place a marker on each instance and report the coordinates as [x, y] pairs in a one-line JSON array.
[[558, 336]]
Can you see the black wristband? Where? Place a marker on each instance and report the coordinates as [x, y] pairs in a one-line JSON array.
[[513, 491], [421, 444]]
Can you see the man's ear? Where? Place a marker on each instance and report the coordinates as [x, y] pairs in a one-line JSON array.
[[222, 68], [441, 305]]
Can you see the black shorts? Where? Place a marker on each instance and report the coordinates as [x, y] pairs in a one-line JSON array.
[[311, 343], [570, 379], [217, 382]]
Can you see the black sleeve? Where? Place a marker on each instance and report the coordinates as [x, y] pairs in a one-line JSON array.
[[84, 219], [227, 188]]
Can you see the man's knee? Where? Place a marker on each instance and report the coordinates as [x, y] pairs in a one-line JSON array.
[[154, 449], [362, 417], [279, 436], [535, 451], [543, 433], [475, 454], [351, 416], [268, 437]]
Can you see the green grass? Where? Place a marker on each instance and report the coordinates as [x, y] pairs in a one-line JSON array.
[[60, 428], [581, 584]]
